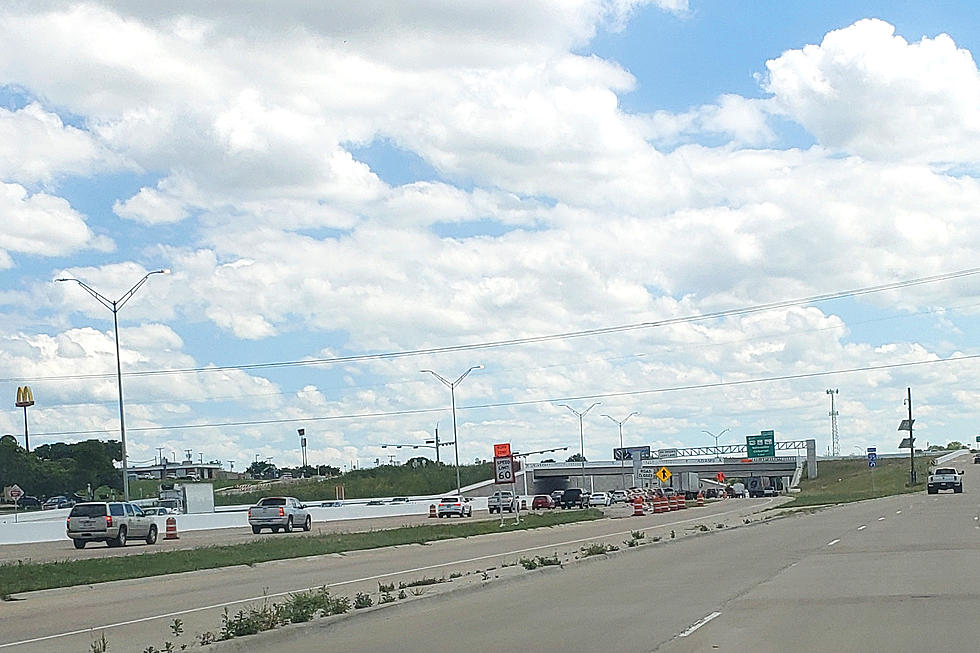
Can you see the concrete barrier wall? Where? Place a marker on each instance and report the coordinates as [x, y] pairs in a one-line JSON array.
[[49, 525]]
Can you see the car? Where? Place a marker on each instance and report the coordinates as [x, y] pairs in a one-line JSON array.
[[571, 498], [541, 501], [54, 503], [454, 505], [331, 504], [976, 459], [159, 511], [619, 496], [400, 500], [556, 496], [112, 522], [28, 501], [600, 499], [376, 502], [667, 491]]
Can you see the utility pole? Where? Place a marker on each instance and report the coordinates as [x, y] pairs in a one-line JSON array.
[[911, 443], [834, 435], [159, 455], [581, 437]]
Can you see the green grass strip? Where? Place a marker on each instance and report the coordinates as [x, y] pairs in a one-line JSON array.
[[843, 481], [27, 577]]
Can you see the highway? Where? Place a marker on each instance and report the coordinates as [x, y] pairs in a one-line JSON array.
[[897, 574], [135, 614], [893, 574]]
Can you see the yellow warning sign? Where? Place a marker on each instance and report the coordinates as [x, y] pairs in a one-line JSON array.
[[663, 474]]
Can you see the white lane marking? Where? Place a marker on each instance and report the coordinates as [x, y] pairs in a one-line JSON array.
[[700, 623], [832, 542], [861, 528], [215, 606], [881, 519], [898, 512]]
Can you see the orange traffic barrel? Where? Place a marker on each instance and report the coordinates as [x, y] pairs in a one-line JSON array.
[[432, 510], [638, 507], [700, 498], [681, 502], [171, 529]]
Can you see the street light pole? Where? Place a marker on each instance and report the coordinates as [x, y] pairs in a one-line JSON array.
[[622, 462], [452, 391], [581, 436], [716, 440], [114, 306]]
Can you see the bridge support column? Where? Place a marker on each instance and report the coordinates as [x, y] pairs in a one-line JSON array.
[[811, 458]]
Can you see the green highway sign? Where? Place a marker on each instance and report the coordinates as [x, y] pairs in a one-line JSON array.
[[762, 445]]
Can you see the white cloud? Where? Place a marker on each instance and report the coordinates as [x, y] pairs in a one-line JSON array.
[[42, 225], [867, 91], [36, 146]]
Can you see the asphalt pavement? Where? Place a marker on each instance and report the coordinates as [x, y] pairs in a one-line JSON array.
[[894, 574]]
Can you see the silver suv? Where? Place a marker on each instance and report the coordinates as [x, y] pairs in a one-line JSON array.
[[112, 522]]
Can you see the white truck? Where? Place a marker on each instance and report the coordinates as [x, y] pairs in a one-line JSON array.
[[686, 484], [945, 478], [279, 513]]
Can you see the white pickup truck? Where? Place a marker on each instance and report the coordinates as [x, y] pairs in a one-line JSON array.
[[945, 478], [279, 513]]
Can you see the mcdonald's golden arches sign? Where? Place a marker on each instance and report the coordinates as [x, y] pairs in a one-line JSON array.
[[24, 397]]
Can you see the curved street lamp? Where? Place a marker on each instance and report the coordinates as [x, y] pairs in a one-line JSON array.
[[114, 306], [621, 461], [452, 391], [581, 436]]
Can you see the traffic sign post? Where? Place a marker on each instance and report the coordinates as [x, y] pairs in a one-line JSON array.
[[872, 463], [503, 468]]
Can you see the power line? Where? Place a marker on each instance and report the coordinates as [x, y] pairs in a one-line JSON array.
[[758, 308], [527, 402]]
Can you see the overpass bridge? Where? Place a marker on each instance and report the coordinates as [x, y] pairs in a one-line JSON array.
[[729, 459]]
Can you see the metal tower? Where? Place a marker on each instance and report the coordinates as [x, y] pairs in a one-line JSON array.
[[835, 436]]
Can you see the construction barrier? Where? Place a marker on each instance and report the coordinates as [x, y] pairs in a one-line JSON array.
[[523, 504], [700, 499], [660, 505], [681, 503], [432, 510], [171, 529], [638, 507]]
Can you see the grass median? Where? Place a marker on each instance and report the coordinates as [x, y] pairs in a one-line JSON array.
[[842, 481], [26, 577]]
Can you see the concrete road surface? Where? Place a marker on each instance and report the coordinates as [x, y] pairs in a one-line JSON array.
[[136, 614], [894, 574]]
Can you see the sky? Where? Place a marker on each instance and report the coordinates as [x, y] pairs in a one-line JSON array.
[[704, 212]]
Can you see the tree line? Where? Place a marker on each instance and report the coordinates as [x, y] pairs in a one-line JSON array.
[[60, 468]]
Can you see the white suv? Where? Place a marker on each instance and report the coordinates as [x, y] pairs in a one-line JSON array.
[[112, 522], [459, 506]]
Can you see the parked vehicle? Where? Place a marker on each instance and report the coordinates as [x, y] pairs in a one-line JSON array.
[[113, 522], [945, 478], [279, 513], [599, 499], [542, 501], [571, 498], [454, 505], [500, 501]]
